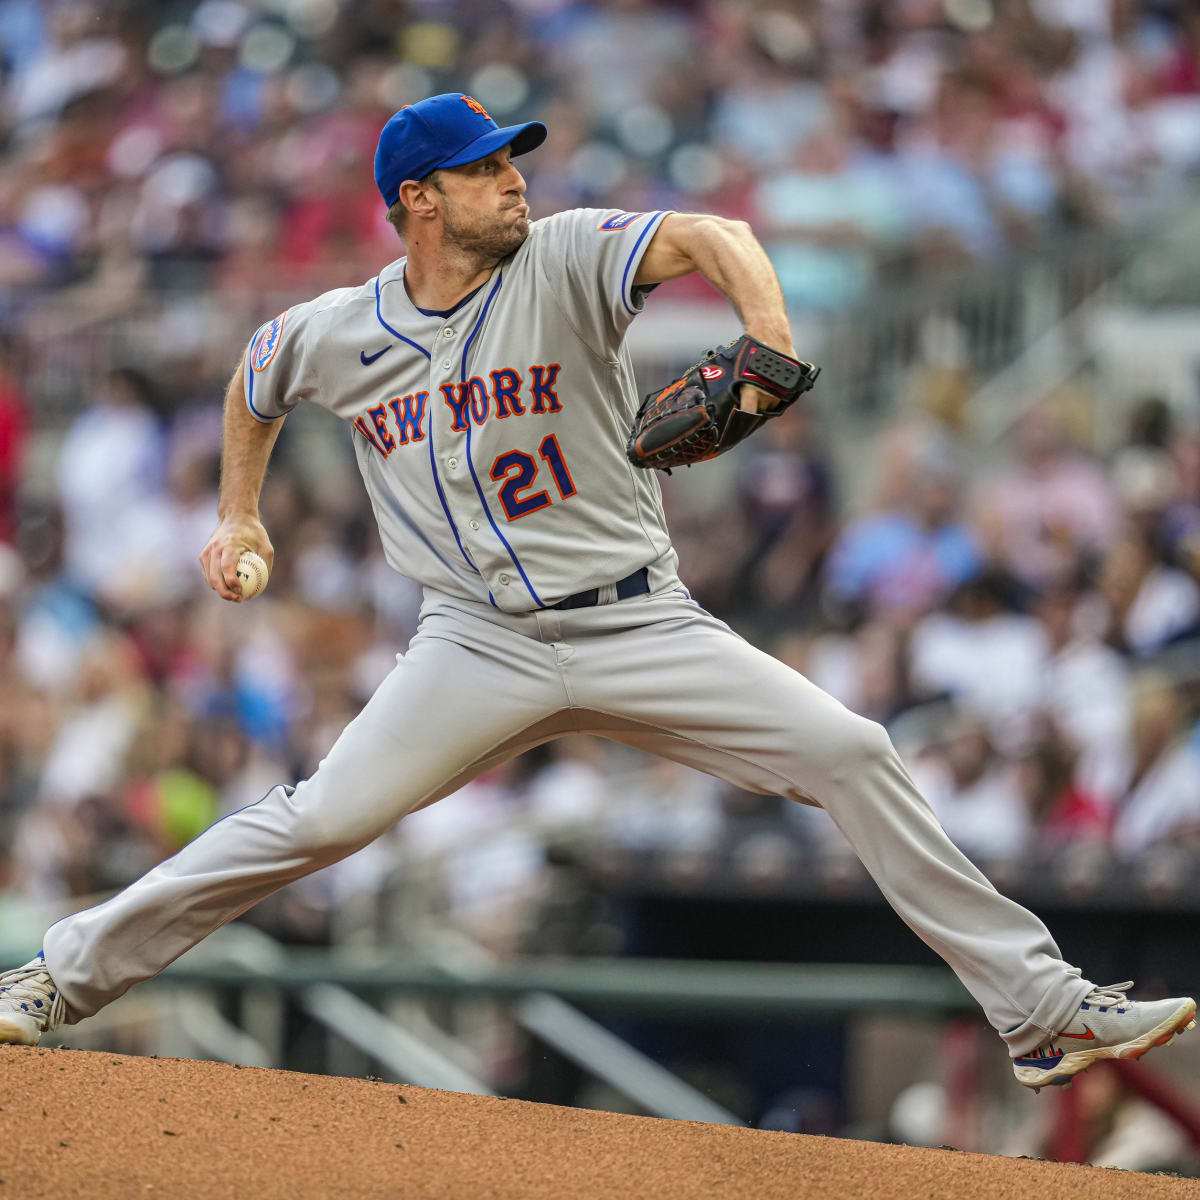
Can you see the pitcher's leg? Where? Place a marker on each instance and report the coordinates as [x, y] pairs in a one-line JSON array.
[[443, 708], [705, 697]]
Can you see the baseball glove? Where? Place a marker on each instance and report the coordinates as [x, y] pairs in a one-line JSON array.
[[698, 416]]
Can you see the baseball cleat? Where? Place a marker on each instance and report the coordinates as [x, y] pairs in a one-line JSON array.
[[1107, 1025], [30, 1003]]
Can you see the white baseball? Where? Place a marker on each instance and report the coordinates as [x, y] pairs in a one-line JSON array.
[[252, 574]]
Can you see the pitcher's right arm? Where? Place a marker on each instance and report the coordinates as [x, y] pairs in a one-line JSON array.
[[246, 446]]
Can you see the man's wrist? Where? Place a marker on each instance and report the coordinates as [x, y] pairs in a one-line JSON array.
[[234, 511], [778, 337]]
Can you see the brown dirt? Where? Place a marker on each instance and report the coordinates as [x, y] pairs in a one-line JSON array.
[[75, 1124]]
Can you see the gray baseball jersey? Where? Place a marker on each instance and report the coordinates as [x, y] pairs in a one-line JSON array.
[[491, 436]]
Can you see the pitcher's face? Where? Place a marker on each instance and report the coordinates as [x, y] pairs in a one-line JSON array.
[[483, 206]]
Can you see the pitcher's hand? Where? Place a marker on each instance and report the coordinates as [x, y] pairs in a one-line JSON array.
[[754, 400], [236, 533]]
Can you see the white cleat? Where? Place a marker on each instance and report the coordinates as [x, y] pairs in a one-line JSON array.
[[1106, 1025], [30, 1004]]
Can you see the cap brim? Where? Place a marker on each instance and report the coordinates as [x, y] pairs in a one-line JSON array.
[[522, 139]]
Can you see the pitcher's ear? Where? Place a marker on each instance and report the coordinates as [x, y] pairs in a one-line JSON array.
[[420, 196]]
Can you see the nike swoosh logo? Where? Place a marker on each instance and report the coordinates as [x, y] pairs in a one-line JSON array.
[[367, 359], [1086, 1036]]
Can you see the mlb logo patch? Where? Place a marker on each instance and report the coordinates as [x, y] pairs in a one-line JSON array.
[[620, 221], [266, 342]]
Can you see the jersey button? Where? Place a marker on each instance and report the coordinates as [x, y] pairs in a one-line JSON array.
[[474, 524], [452, 463], [447, 332], [446, 363], [504, 580]]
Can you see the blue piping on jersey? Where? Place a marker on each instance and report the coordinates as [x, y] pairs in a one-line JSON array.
[[437, 483], [394, 506], [482, 499], [632, 255], [250, 389], [395, 332]]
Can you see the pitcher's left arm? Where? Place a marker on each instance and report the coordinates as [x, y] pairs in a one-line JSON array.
[[732, 259]]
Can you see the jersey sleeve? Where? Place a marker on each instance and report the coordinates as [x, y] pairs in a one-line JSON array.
[[279, 371], [591, 256]]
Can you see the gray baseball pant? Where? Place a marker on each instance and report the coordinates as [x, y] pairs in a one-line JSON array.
[[478, 686]]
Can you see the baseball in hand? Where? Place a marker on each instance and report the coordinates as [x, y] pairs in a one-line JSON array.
[[252, 574]]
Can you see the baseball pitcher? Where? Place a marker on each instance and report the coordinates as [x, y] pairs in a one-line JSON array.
[[492, 407]]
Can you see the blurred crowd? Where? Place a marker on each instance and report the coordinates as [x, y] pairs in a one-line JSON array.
[[1028, 633], [230, 141], [1027, 629]]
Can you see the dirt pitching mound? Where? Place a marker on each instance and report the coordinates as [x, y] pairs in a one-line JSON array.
[[75, 1124]]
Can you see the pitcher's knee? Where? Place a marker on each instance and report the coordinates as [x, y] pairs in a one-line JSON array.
[[858, 742], [318, 827]]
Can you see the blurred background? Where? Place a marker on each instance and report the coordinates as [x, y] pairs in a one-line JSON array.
[[983, 530]]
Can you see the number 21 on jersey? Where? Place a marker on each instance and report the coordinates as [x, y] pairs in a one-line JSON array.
[[519, 470]]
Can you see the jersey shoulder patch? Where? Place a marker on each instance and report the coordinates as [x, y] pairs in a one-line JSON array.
[[618, 222], [266, 342]]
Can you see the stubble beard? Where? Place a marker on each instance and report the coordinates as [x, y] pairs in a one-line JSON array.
[[486, 240]]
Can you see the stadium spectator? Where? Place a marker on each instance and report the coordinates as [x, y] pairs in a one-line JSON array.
[[1086, 692], [1047, 508], [905, 560], [986, 656], [110, 480], [1061, 809], [975, 792], [14, 433], [826, 220], [785, 489], [1163, 803], [1150, 605]]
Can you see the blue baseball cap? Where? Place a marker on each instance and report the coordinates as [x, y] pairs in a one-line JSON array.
[[443, 131]]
